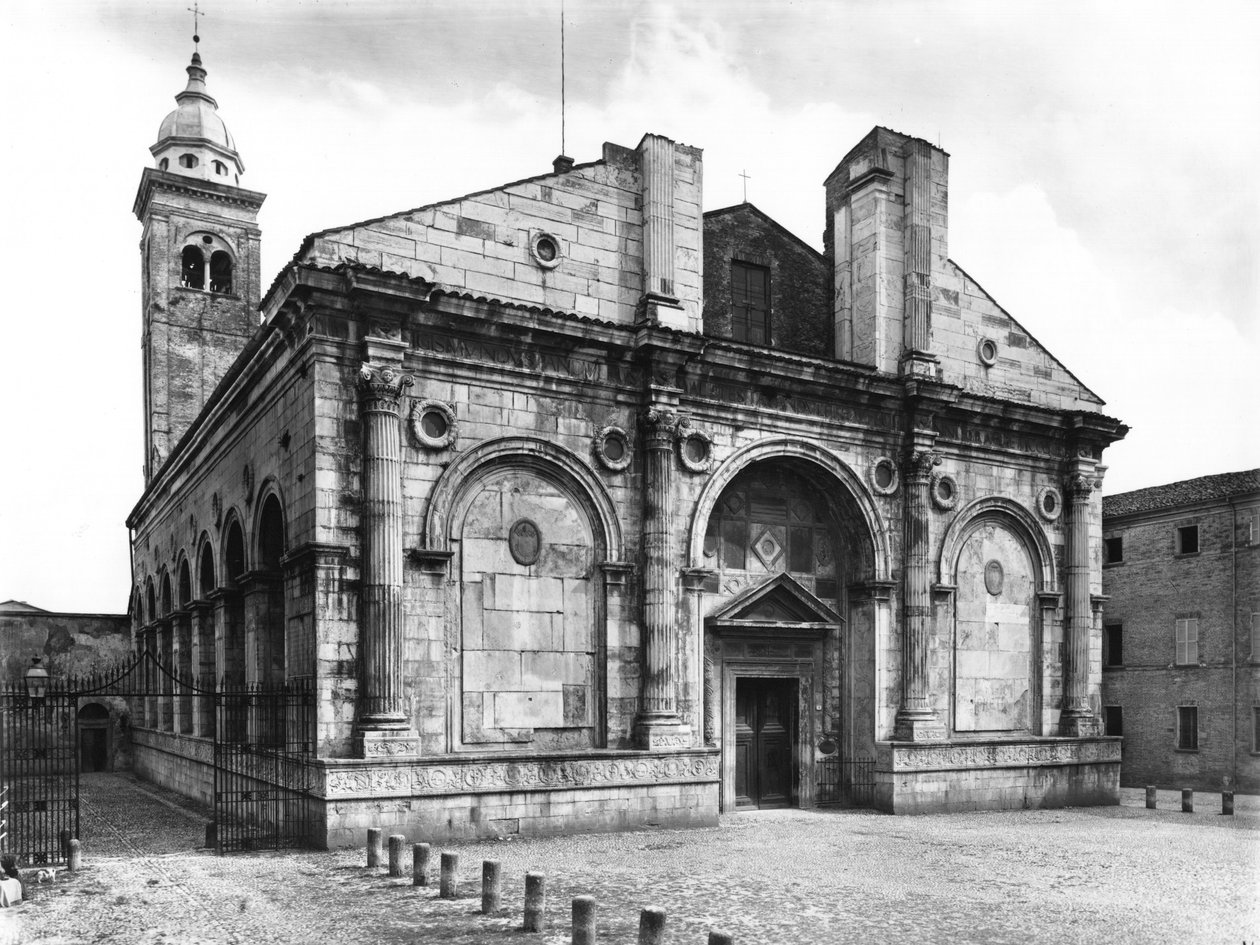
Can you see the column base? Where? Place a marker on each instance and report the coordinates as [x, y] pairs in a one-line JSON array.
[[1078, 724], [395, 743], [657, 732], [918, 726]]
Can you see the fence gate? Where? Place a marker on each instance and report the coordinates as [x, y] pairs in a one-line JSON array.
[[848, 782], [262, 740], [262, 772]]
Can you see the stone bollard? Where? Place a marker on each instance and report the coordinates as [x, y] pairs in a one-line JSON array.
[[535, 902], [74, 859], [396, 841], [374, 847], [1187, 800], [448, 887], [420, 864], [652, 926], [721, 938], [491, 890], [583, 920], [1150, 797], [212, 835], [1227, 802]]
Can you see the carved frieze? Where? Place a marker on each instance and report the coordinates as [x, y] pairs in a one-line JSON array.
[[516, 774], [1014, 754]]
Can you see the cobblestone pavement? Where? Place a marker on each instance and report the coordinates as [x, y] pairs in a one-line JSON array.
[[1120, 875]]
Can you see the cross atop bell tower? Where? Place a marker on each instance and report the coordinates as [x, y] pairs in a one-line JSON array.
[[200, 253]]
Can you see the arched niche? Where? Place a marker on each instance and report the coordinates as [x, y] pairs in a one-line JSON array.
[[271, 542], [205, 568], [234, 562], [1017, 518], [827, 470], [185, 586]]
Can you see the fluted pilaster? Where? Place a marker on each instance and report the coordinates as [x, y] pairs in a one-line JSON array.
[[1077, 717], [916, 720], [381, 703], [658, 216]]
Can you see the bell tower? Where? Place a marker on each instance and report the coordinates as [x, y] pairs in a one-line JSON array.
[[200, 265]]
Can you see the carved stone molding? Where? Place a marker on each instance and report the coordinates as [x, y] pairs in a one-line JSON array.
[[918, 464], [616, 573], [944, 491], [429, 559], [695, 451], [216, 509], [1009, 755], [611, 446], [662, 426], [433, 424], [484, 776], [693, 578], [1049, 503], [247, 482], [1079, 485], [883, 476]]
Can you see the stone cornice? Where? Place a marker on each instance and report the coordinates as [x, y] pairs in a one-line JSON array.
[[153, 179]]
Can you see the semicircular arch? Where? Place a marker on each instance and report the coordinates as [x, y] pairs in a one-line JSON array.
[[786, 448], [540, 456], [1015, 517]]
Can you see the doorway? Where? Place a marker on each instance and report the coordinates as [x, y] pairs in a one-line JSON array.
[[94, 738], [765, 743]]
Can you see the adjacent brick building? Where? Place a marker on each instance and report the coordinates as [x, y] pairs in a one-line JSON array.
[[582, 509], [1181, 622]]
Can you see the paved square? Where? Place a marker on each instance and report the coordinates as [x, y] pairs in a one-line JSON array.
[[1119, 875]]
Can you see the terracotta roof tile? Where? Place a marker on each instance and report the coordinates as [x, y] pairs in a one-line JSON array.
[[1186, 492]]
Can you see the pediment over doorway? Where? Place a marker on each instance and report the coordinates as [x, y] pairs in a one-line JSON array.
[[780, 602]]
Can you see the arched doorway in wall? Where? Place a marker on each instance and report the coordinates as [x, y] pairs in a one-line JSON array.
[[789, 660], [268, 594], [94, 738]]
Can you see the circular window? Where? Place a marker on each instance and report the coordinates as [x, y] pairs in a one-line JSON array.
[[987, 349], [612, 448], [545, 249], [433, 424], [883, 476], [1049, 503], [525, 542], [207, 239], [944, 490], [696, 451]]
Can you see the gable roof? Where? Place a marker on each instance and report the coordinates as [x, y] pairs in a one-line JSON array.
[[19, 607], [749, 207], [1185, 492], [781, 599]]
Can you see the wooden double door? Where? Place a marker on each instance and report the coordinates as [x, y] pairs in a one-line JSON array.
[[765, 742]]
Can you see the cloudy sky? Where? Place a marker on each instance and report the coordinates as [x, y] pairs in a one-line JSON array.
[[1104, 184]]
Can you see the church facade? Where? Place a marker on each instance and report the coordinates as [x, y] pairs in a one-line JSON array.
[[581, 508]]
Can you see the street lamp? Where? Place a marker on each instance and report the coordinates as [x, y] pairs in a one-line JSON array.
[[36, 680]]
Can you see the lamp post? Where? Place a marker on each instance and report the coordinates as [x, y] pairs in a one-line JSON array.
[[36, 680]]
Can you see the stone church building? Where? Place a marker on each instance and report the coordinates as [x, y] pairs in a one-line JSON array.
[[583, 508]]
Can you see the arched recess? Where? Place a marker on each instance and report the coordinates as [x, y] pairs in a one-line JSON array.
[[271, 542], [94, 738], [525, 452], [1018, 518], [264, 603], [205, 568], [234, 565], [809, 454], [529, 524], [234, 560], [167, 598], [184, 585], [998, 562], [150, 601]]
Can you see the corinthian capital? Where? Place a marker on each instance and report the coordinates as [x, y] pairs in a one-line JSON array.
[[381, 388], [661, 426], [918, 464], [1079, 486]]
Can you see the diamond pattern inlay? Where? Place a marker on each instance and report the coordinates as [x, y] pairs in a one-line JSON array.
[[767, 549]]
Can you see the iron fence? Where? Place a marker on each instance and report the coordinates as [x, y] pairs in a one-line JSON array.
[[846, 782]]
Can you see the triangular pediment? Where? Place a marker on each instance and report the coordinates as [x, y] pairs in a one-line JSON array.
[[780, 600]]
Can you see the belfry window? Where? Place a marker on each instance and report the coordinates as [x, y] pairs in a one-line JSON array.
[[164, 163], [188, 160], [192, 273], [750, 303], [220, 168], [220, 272]]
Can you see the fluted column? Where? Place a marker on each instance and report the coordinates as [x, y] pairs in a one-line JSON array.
[[1077, 717], [382, 728], [916, 720], [658, 724]]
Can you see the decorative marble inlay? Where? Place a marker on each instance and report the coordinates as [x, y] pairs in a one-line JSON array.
[[994, 577], [525, 542], [1015, 754]]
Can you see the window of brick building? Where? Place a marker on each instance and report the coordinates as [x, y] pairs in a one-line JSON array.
[[1113, 720], [1255, 728], [750, 303], [1187, 728], [1187, 641], [1113, 644], [1113, 550], [1255, 638], [1188, 540]]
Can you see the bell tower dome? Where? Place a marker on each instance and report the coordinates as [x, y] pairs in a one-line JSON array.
[[200, 273]]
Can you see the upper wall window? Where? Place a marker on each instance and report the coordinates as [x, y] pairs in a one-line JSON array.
[[220, 272], [220, 168], [188, 160], [1188, 540], [192, 271], [164, 163], [1187, 641], [1113, 644], [750, 303], [1113, 550]]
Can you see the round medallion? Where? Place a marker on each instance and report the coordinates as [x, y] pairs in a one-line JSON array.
[[695, 450], [944, 491], [525, 542], [994, 576], [1049, 503], [433, 424], [883, 476], [612, 448]]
